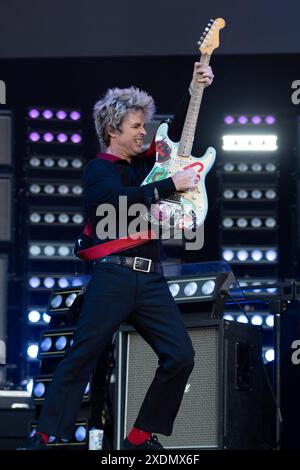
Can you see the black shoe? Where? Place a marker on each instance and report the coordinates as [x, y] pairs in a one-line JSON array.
[[150, 444], [36, 442]]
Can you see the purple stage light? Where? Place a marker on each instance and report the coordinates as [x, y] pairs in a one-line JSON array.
[[228, 120], [47, 114], [256, 120], [75, 115], [61, 115], [62, 138], [33, 113], [34, 136], [270, 119], [76, 138], [48, 137], [243, 119]]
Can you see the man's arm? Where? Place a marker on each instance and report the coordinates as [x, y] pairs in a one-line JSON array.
[[103, 185]]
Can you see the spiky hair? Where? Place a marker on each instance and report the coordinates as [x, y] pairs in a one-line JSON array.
[[110, 110]]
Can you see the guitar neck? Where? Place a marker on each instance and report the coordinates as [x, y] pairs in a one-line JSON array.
[[188, 131]]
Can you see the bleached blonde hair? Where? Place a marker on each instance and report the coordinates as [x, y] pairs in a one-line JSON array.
[[110, 110]]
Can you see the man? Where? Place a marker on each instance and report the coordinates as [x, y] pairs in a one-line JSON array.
[[127, 284]]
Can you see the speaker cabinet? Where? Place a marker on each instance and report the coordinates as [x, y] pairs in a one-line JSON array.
[[222, 403]]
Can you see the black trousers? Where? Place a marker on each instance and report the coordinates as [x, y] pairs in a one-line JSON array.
[[118, 294]]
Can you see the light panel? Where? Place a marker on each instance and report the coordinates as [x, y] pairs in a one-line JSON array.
[[250, 142]]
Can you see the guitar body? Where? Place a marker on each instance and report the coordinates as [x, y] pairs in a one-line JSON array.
[[184, 210]]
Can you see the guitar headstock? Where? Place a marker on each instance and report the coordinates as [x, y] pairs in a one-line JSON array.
[[210, 36]]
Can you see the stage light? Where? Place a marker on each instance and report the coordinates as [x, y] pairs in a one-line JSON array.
[[228, 317], [34, 282], [256, 120], [256, 255], [71, 217], [233, 221], [250, 254], [34, 136], [76, 138], [49, 162], [46, 344], [56, 162], [229, 120], [62, 299], [271, 255], [256, 320], [80, 434], [33, 113], [43, 136], [79, 438], [55, 189], [242, 255], [242, 167], [48, 137], [47, 114], [270, 320], [190, 288], [62, 137], [190, 285], [270, 167], [32, 351], [49, 282], [228, 255], [253, 168], [227, 222], [49, 218], [46, 317], [268, 354], [61, 115], [41, 383], [29, 386], [250, 143], [256, 167], [34, 316], [75, 115], [37, 280], [242, 222], [61, 343], [242, 318], [253, 192], [55, 251], [242, 120], [35, 162], [54, 114], [54, 343], [270, 120], [63, 282], [249, 120], [271, 194]]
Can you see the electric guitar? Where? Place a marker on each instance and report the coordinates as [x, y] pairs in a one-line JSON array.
[[185, 210]]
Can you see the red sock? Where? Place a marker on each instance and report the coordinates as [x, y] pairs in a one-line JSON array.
[[44, 436], [137, 436]]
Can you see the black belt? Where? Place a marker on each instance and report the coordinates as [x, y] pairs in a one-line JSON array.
[[143, 265]]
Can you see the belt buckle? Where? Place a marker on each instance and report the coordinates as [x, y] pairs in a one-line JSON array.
[[136, 263]]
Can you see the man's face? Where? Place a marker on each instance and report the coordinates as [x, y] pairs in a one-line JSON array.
[[129, 140]]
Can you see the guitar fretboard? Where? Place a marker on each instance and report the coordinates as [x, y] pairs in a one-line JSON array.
[[188, 132]]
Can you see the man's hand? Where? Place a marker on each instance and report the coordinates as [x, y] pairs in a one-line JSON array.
[[202, 74], [185, 179]]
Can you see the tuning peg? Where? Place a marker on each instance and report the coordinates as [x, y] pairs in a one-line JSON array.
[[212, 20], [199, 43]]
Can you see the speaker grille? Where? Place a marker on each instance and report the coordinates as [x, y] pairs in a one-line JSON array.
[[200, 397]]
